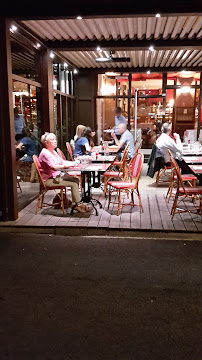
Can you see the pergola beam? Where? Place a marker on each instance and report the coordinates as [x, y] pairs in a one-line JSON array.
[[139, 69], [136, 44], [91, 8]]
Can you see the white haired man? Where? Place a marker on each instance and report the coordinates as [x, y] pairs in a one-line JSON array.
[[165, 141], [126, 137]]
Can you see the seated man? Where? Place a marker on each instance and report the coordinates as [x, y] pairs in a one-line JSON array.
[[126, 137], [165, 141]]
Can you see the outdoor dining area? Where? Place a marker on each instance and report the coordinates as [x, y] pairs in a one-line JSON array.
[[120, 194]]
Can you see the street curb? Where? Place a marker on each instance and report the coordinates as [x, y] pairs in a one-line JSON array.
[[94, 231]]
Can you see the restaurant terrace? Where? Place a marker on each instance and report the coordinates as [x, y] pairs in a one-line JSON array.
[[61, 70]]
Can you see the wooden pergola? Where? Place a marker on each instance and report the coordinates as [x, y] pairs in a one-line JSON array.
[[127, 29]]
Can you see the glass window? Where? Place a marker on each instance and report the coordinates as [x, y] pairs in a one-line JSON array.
[[184, 78], [110, 84], [62, 80], [148, 84], [72, 83], [56, 84], [25, 62], [25, 99], [67, 81]]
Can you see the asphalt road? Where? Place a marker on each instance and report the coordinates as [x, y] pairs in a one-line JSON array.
[[98, 298]]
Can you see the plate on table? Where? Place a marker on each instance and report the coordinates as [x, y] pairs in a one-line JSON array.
[[109, 130]]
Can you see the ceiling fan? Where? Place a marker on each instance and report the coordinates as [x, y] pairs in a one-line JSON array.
[[112, 59]]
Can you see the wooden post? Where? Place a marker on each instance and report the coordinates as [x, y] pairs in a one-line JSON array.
[[199, 107], [47, 99], [129, 99], [164, 84], [174, 109], [8, 186]]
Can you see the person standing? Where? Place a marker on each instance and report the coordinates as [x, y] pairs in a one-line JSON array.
[[19, 124], [119, 119]]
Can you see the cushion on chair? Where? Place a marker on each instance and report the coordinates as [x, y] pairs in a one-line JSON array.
[[117, 163], [74, 173], [191, 190], [186, 177], [54, 187], [121, 184], [113, 173]]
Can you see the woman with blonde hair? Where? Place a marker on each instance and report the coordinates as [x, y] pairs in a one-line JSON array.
[[51, 165], [79, 131]]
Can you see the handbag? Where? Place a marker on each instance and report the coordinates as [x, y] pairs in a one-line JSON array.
[[57, 201]]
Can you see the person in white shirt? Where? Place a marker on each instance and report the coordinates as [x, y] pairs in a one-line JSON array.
[[126, 137], [165, 141]]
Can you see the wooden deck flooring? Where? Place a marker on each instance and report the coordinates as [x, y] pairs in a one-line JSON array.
[[156, 215]]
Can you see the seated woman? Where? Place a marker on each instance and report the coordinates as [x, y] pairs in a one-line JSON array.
[[50, 166], [79, 131], [29, 142], [83, 144]]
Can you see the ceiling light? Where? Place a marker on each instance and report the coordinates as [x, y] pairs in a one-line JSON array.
[[52, 55], [148, 72], [13, 28], [151, 48], [98, 48], [79, 18], [111, 73], [38, 45], [65, 65], [103, 59], [158, 15], [75, 71]]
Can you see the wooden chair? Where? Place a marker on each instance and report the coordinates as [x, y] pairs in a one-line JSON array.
[[161, 176], [189, 178], [61, 154], [121, 173], [184, 192], [43, 189], [70, 152], [18, 183], [136, 152], [71, 173], [128, 186], [119, 163]]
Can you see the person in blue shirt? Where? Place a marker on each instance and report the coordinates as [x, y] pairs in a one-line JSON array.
[[119, 119], [82, 144], [19, 124], [29, 142]]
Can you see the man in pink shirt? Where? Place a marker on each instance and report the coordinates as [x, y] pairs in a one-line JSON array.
[[51, 165]]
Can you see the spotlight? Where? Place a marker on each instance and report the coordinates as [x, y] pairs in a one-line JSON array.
[[148, 72], [158, 15], [13, 28], [98, 48], [38, 45], [151, 48], [103, 59], [79, 18], [52, 55], [75, 71], [65, 65]]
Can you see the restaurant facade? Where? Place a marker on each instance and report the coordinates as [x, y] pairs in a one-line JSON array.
[[150, 66]]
